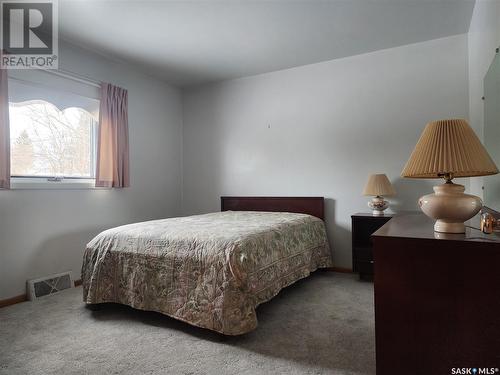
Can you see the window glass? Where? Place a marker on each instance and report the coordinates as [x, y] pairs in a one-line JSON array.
[[53, 125], [48, 142]]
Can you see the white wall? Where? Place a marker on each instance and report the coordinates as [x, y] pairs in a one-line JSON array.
[[313, 130], [483, 39], [321, 130], [44, 232]]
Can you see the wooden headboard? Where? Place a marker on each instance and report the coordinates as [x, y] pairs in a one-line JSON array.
[[314, 206]]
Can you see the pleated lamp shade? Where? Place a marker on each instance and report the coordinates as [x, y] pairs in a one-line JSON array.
[[378, 185], [449, 147]]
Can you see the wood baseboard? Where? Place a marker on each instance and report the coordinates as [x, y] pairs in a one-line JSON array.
[[13, 300], [23, 297], [339, 269]]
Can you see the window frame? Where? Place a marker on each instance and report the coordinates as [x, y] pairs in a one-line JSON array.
[[21, 182], [45, 183]]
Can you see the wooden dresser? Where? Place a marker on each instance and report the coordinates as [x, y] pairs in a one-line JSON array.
[[437, 298]]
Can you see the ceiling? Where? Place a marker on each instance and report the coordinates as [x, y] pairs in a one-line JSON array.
[[193, 42]]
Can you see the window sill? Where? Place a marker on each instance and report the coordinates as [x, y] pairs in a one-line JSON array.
[[26, 183]]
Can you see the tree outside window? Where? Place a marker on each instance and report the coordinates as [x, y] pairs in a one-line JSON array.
[[48, 142]]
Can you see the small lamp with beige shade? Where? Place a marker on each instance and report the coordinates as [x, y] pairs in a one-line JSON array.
[[448, 149], [378, 186]]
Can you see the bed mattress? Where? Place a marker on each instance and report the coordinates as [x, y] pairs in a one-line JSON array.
[[210, 270]]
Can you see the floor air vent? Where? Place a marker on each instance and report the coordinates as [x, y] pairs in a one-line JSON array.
[[49, 285]]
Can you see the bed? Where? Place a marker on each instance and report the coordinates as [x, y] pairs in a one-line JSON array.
[[211, 270]]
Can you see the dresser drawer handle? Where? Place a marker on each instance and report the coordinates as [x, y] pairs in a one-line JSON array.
[[371, 261]]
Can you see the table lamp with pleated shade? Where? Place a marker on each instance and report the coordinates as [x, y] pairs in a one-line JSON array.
[[378, 186], [448, 149]]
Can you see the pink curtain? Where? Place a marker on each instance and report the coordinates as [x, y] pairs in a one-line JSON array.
[[4, 132], [112, 168]]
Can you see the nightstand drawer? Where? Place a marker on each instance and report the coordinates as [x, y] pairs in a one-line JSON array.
[[365, 228], [364, 254]]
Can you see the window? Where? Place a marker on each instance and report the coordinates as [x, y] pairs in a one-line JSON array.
[[48, 142], [53, 130]]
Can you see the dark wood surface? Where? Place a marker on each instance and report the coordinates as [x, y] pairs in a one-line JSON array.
[[363, 225], [419, 226], [314, 206], [370, 215], [437, 300]]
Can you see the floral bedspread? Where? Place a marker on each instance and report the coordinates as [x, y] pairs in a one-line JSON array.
[[210, 270]]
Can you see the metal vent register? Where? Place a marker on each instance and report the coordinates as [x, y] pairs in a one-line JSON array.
[[49, 285]]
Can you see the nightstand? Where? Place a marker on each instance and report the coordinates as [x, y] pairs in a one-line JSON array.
[[363, 225]]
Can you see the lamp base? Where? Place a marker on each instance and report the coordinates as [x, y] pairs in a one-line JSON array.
[[447, 227], [378, 205], [450, 207]]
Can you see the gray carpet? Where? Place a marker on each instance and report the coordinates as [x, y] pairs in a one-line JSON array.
[[320, 325]]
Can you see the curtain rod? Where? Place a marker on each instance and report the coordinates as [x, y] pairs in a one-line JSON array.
[[73, 76]]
